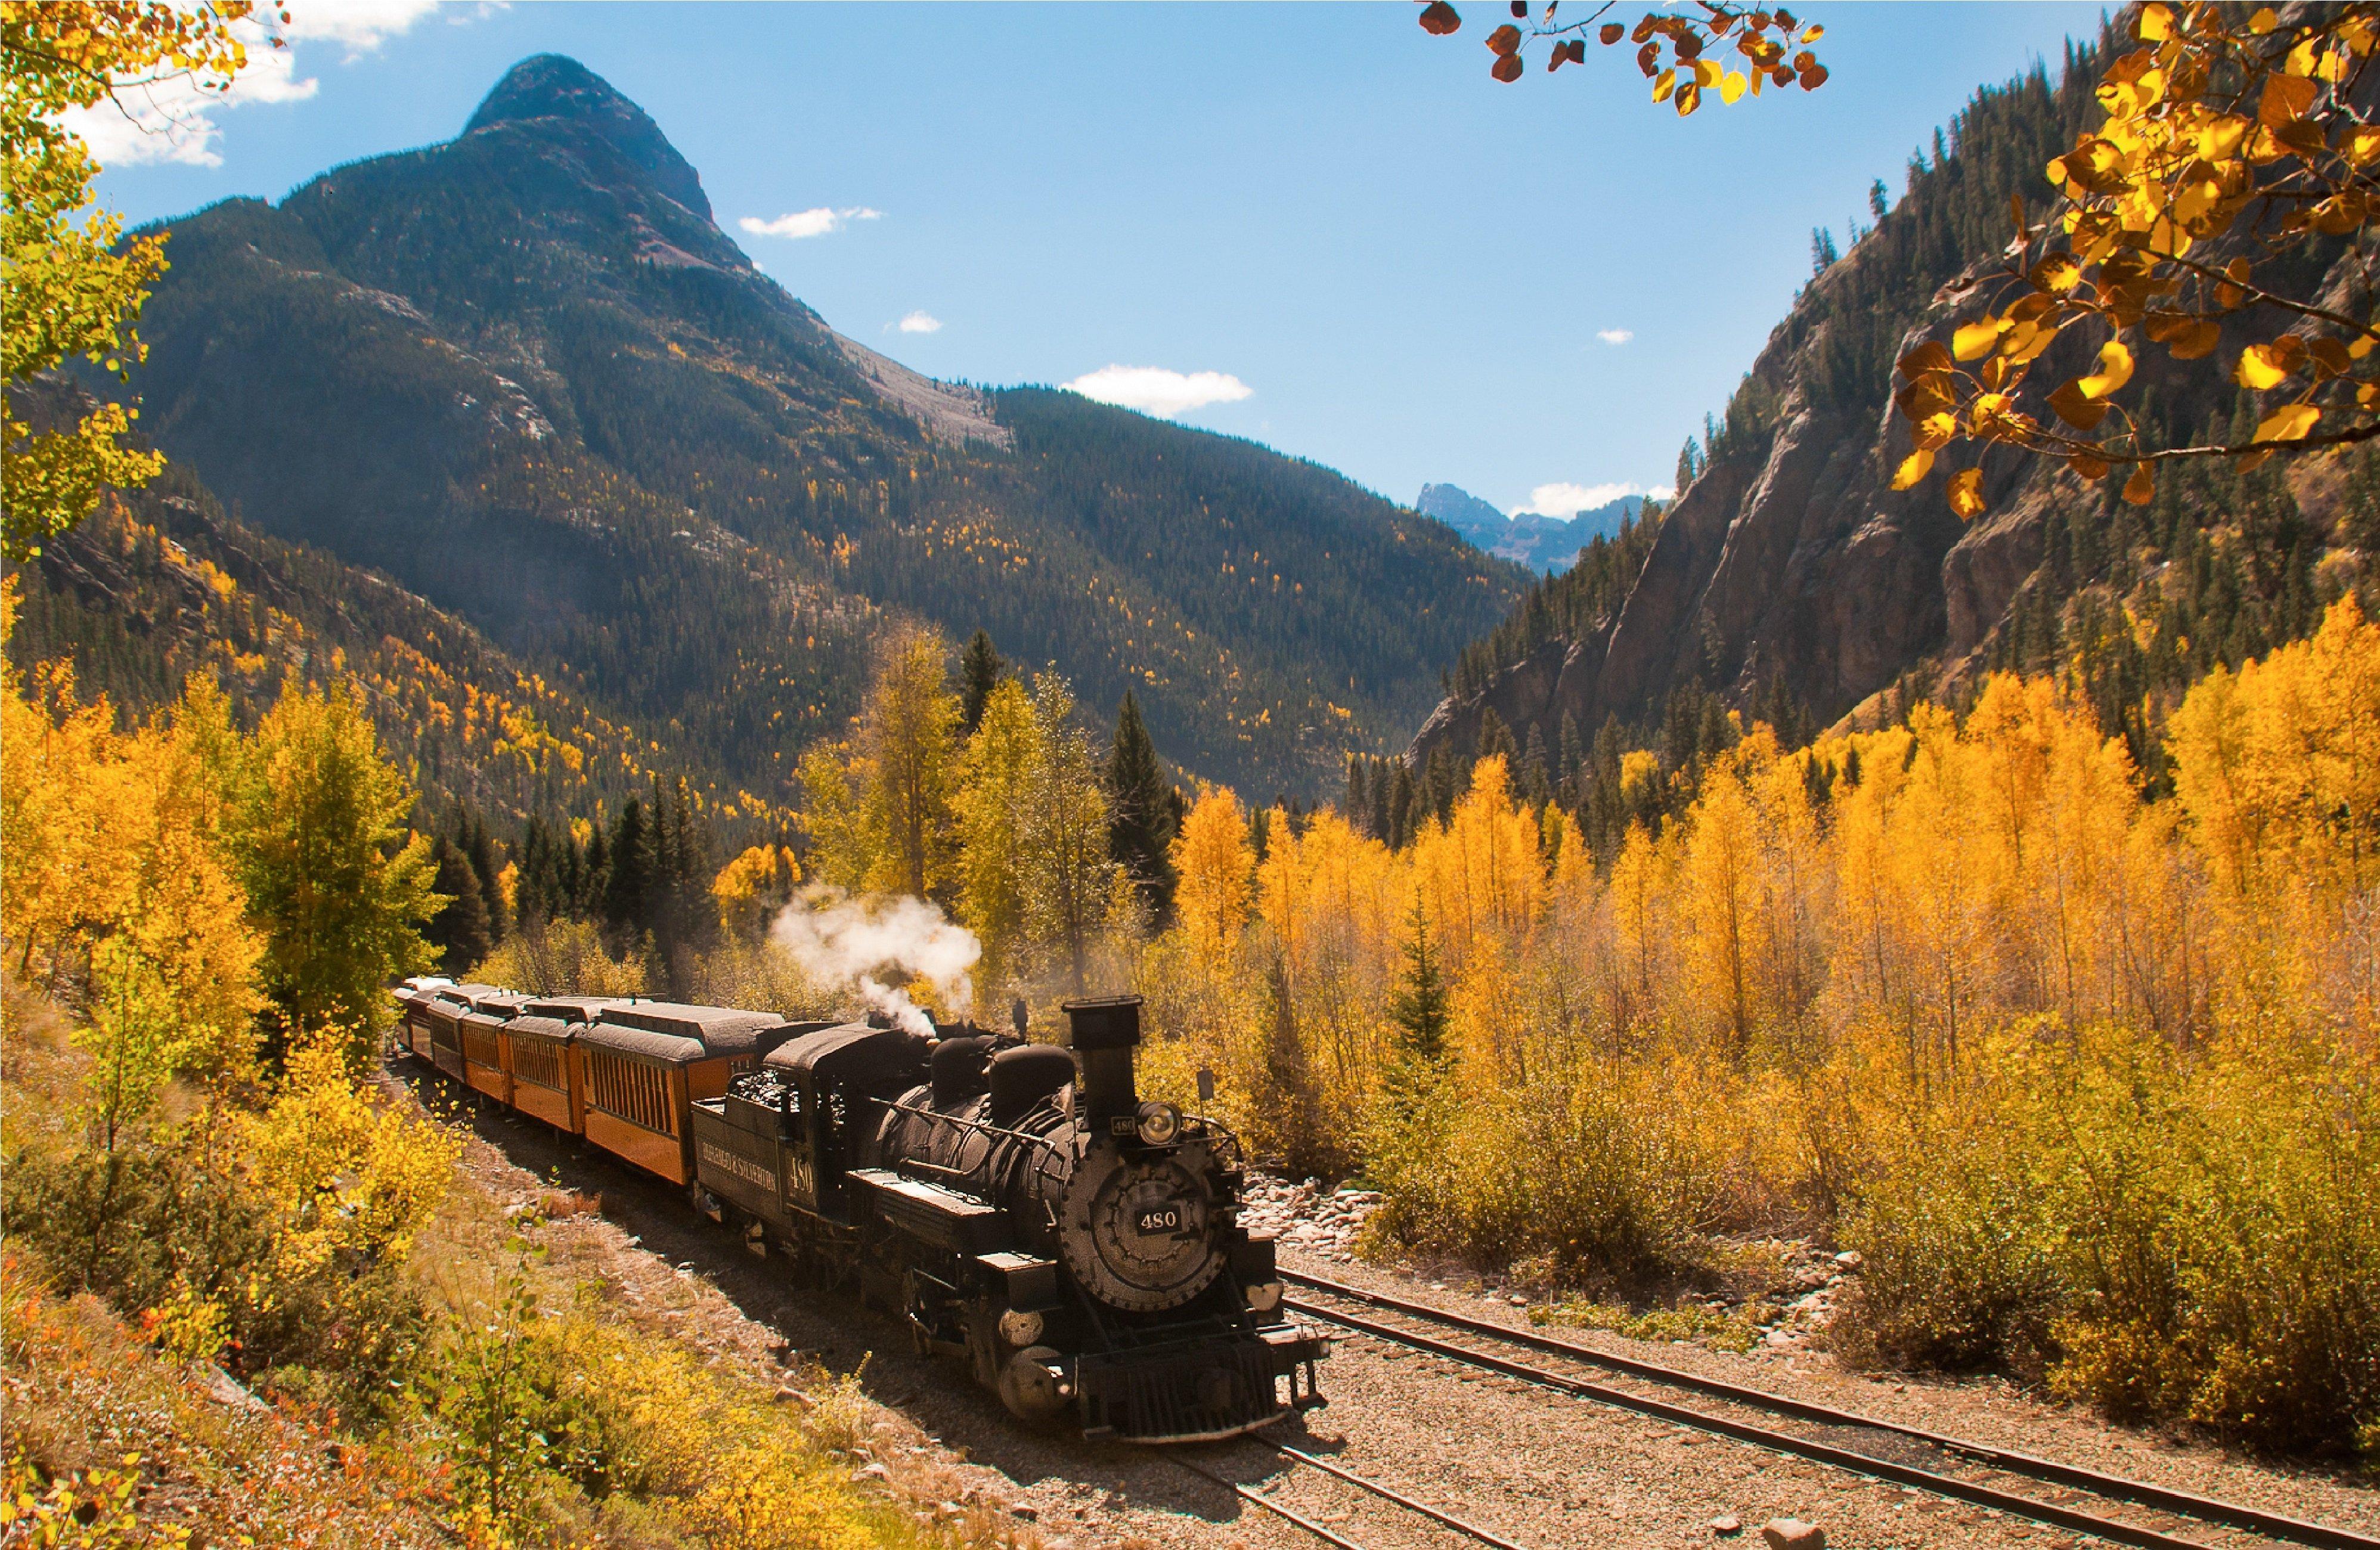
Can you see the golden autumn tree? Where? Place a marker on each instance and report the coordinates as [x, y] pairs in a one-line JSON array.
[[749, 889], [1071, 877], [996, 783], [72, 288], [2279, 765], [906, 734], [1214, 861]]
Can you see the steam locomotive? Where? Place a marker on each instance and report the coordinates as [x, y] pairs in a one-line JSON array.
[[1019, 1204]]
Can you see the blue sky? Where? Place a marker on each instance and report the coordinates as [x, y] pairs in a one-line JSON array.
[[1413, 272]]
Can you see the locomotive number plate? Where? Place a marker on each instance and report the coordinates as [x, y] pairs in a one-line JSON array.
[[1152, 1219]]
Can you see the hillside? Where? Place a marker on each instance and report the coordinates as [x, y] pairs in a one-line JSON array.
[[523, 374], [1788, 574], [140, 599], [1548, 545]]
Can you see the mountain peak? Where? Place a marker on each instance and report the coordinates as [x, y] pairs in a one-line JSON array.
[[554, 88]]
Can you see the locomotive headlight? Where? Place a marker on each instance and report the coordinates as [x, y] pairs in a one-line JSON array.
[[1264, 1297], [1019, 1328], [1160, 1123]]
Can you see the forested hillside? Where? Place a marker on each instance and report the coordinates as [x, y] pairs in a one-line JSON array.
[[141, 598], [1789, 581], [526, 375]]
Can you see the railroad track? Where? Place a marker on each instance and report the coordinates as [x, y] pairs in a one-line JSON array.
[[1325, 1533], [2112, 1488]]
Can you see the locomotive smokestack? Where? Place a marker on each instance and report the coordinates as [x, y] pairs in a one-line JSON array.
[[1102, 1032]]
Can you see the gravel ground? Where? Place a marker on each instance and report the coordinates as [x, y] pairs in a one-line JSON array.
[[1545, 1470]]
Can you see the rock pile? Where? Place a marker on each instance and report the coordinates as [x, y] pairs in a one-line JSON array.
[[1812, 1281], [1305, 1216]]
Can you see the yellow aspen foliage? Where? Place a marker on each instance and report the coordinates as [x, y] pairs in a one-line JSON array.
[[1212, 858], [844, 842], [1483, 872], [2278, 766], [349, 1177], [749, 889], [1725, 914], [906, 733], [995, 783]]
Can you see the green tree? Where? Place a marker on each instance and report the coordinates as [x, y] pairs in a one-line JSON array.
[[628, 880], [1140, 834], [71, 286], [980, 671], [335, 879], [459, 930], [486, 865], [1421, 1017]]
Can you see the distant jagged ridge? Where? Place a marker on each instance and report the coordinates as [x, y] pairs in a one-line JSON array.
[[1548, 545]]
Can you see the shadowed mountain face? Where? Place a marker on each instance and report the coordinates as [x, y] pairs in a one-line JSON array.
[[525, 374]]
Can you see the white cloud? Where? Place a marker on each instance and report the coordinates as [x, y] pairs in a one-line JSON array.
[[359, 24], [810, 223], [1614, 335], [1566, 501], [919, 322], [171, 119], [1153, 390]]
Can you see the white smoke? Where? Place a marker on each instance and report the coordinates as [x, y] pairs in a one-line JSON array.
[[843, 941]]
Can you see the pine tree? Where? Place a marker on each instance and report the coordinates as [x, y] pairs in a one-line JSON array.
[[594, 883], [1495, 738], [1381, 820], [1536, 783], [481, 853], [1294, 1111], [1141, 831], [979, 671], [628, 880], [1358, 802], [1421, 1016], [459, 931]]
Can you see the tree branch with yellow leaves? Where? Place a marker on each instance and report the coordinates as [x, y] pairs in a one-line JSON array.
[[1682, 54], [2235, 158], [71, 286]]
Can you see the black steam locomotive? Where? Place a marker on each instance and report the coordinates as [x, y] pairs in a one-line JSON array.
[[1017, 1203]]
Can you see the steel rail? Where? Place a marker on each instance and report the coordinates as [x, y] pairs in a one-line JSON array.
[[2272, 1525], [1459, 1525], [1386, 1493], [2110, 1528], [1327, 1536]]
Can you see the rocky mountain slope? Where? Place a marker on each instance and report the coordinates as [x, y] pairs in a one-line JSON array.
[[1548, 545], [524, 375], [1788, 573]]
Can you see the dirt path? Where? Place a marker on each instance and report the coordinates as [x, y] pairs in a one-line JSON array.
[[1544, 1470]]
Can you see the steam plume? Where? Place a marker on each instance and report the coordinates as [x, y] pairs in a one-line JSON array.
[[841, 941]]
